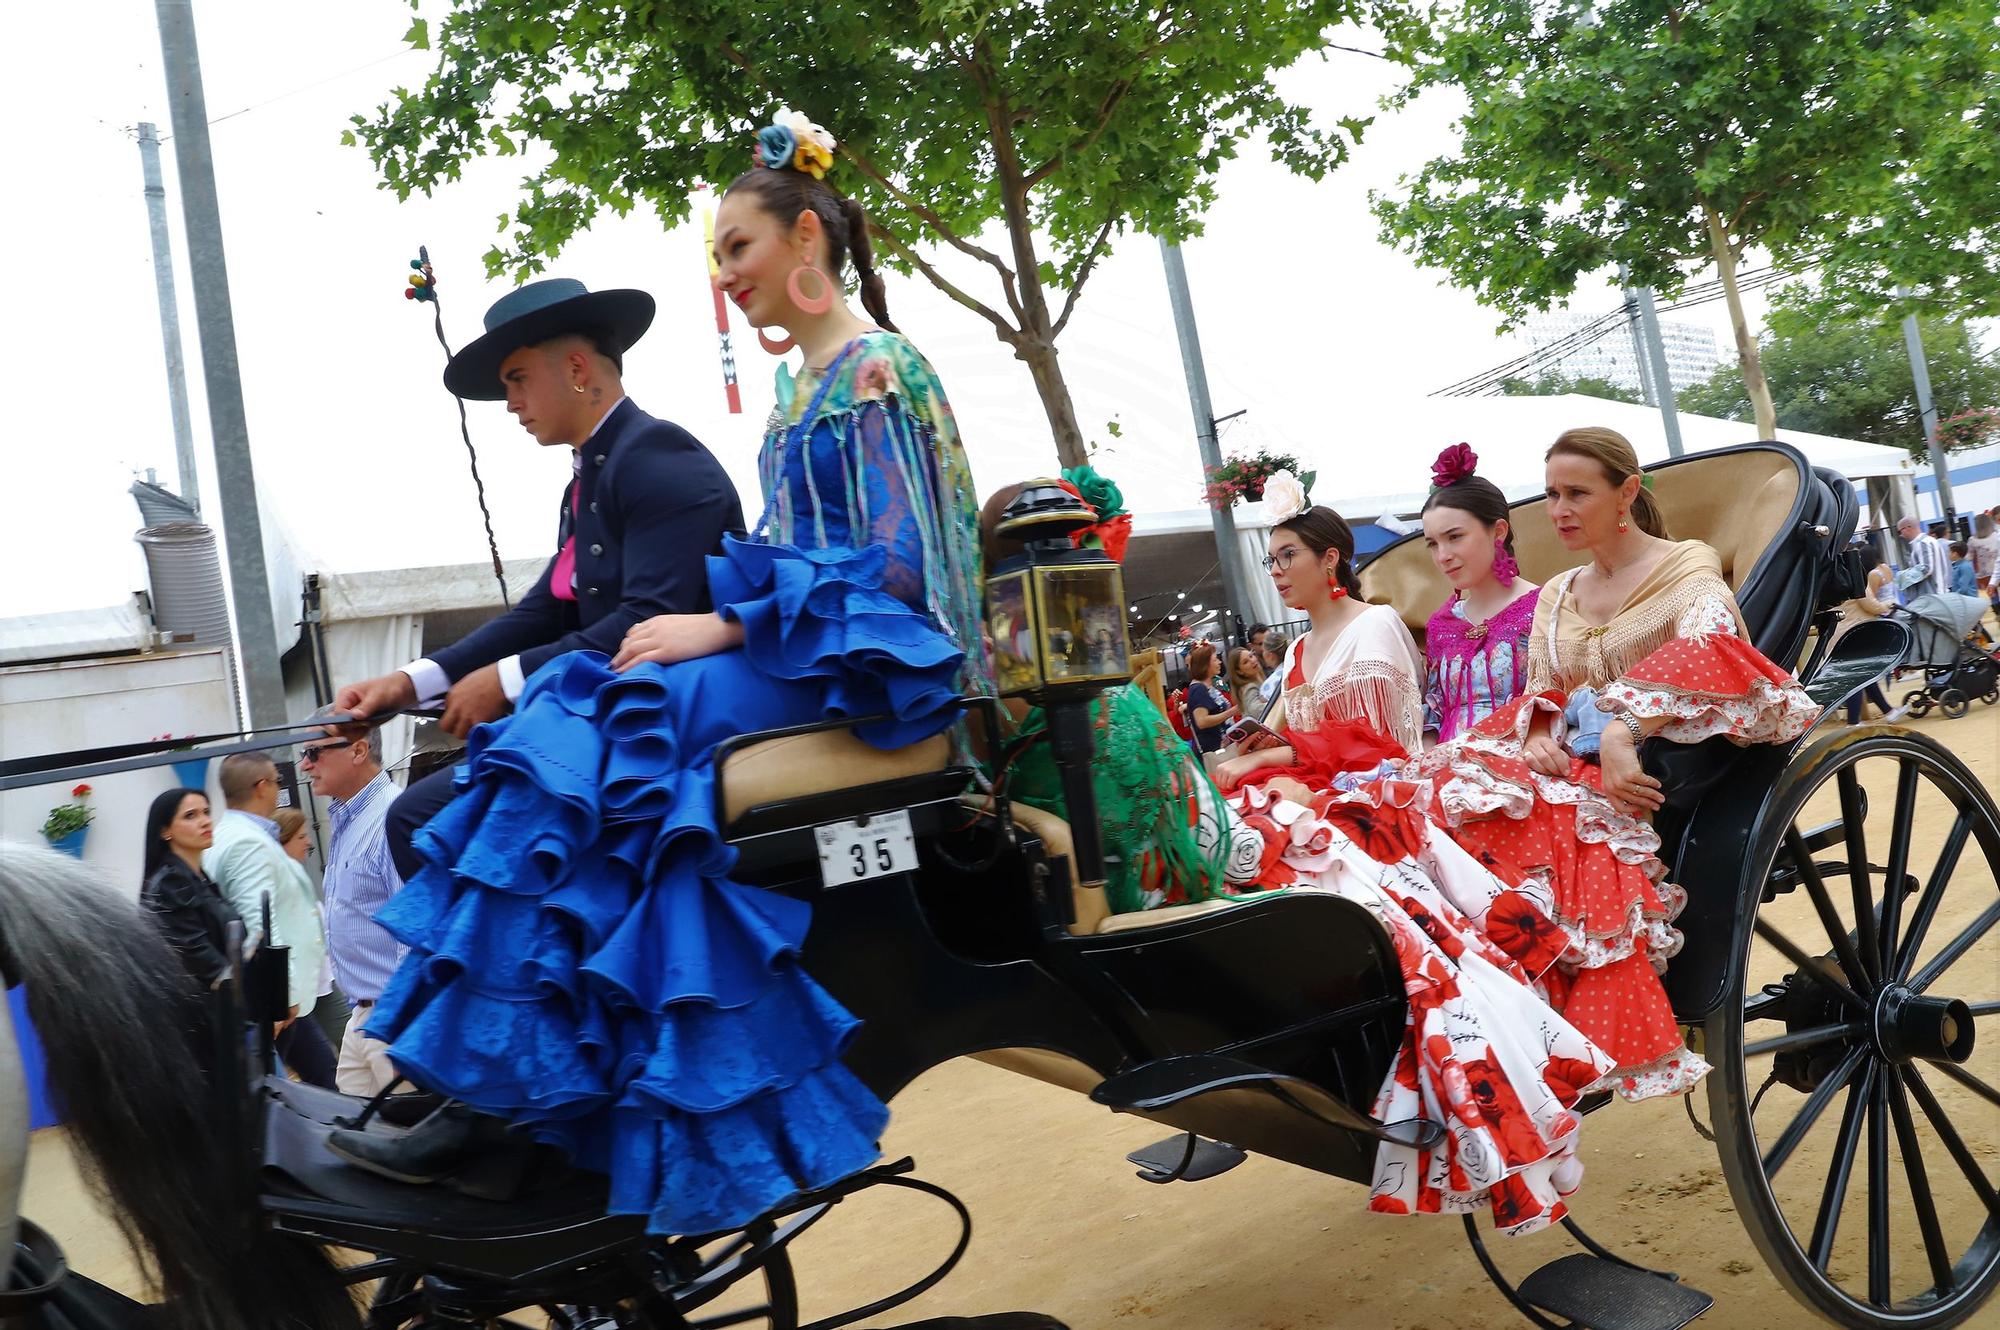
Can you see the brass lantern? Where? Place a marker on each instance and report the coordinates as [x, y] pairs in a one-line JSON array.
[[1055, 612]]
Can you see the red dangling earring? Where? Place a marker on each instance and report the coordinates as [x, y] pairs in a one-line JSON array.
[[1505, 570], [1623, 525], [1334, 590]]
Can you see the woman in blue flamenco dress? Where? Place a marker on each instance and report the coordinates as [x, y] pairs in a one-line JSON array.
[[581, 962]]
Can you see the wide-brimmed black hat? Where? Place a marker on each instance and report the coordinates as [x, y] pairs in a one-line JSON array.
[[535, 313]]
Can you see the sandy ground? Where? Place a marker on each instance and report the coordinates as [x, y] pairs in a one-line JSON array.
[[1063, 1226]]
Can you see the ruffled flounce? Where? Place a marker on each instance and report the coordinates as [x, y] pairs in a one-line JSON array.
[[1714, 684], [581, 962], [822, 615]]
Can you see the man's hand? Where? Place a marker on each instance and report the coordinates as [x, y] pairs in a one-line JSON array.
[[373, 697], [667, 638], [474, 700]]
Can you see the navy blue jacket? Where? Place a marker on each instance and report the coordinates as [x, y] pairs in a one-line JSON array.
[[652, 504]]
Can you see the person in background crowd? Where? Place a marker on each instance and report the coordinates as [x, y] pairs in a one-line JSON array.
[[1963, 581], [1254, 639], [1209, 709], [1928, 557], [345, 767], [1870, 604], [190, 909], [250, 866], [1246, 676], [1984, 548], [331, 1011], [1272, 656]]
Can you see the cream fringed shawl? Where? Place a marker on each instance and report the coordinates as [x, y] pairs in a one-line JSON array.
[[1371, 673], [1566, 652]]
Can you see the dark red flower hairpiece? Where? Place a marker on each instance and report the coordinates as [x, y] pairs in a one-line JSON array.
[[1453, 465]]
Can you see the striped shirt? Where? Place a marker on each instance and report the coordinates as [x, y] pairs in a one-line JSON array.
[[359, 880]]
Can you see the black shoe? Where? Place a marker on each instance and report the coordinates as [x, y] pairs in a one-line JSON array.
[[398, 1110], [470, 1151]]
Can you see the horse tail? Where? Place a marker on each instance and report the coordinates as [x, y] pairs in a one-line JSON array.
[[102, 988]]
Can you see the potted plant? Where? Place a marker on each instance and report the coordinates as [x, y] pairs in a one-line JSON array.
[[1240, 479], [193, 773], [67, 824]]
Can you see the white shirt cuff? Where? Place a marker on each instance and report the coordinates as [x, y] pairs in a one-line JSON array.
[[512, 681], [429, 679]]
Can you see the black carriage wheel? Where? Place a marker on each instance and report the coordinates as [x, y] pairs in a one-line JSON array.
[[1883, 1005], [1954, 703]]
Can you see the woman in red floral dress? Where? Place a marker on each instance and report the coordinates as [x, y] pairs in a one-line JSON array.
[[1645, 640], [1482, 1052]]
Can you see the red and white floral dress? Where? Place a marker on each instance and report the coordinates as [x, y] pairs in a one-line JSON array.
[[1481, 1051], [1675, 650]]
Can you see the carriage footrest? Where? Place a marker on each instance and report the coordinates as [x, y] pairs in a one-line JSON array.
[[1603, 1295], [1186, 1158]]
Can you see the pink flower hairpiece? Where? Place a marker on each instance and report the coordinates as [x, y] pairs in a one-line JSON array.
[[1453, 465]]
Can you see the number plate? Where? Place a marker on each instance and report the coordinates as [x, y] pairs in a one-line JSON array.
[[857, 851]]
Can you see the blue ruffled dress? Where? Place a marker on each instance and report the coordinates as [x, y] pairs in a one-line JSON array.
[[581, 961]]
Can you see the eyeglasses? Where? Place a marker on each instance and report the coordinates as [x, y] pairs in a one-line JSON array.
[[1282, 560], [309, 754]]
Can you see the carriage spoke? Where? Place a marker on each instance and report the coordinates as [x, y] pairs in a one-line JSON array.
[[1853, 815], [1838, 1170], [1968, 1080], [1803, 1038], [1806, 964], [1899, 865], [1829, 918], [1920, 1187], [1954, 1144], [1979, 1009], [1947, 864], [1815, 1104], [1878, 1193], [1959, 945]]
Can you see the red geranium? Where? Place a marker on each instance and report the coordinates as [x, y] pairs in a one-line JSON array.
[[81, 791]]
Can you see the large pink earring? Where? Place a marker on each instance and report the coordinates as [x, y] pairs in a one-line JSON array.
[[1505, 570], [818, 304], [775, 348]]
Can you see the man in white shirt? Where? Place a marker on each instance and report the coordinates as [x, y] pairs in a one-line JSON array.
[[1927, 555]]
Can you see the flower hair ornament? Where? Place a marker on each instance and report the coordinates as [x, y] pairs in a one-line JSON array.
[[1284, 497], [1453, 465], [1102, 496], [791, 141]]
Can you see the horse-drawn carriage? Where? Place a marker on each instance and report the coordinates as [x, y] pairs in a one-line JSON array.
[[1841, 953]]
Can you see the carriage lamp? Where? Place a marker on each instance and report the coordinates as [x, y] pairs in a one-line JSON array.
[[1059, 640], [1052, 609]]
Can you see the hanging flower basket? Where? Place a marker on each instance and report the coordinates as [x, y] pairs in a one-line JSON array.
[[67, 824], [193, 773], [1241, 479], [1969, 429]]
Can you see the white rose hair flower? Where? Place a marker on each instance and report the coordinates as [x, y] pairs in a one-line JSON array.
[[1284, 497]]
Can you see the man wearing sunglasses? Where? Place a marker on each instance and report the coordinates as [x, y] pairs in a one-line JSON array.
[[345, 767]]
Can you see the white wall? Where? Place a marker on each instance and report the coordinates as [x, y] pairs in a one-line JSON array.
[[94, 703]]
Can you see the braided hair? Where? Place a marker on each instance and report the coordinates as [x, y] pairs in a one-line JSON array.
[[785, 193]]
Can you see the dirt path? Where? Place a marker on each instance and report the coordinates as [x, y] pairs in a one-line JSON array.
[[1063, 1226]]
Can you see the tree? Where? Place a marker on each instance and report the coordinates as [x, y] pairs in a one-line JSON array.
[[1667, 135], [1066, 123], [1555, 384], [1851, 378]]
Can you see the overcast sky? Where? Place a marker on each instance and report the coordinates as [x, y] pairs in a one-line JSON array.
[[1321, 332]]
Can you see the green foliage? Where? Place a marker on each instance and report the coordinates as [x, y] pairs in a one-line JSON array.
[[1069, 123], [1555, 385], [1851, 378], [1601, 132]]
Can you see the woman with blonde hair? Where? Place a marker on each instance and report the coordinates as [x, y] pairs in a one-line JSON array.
[[1644, 641]]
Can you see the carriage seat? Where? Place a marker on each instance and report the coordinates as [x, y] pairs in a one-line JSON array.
[[1093, 911], [801, 765]]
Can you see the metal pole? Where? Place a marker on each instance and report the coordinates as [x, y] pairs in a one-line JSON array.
[[170, 313], [1228, 556], [1663, 379], [1913, 339], [1638, 340], [249, 582]]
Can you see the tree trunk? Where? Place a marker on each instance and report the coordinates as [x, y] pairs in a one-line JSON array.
[[1040, 353], [1746, 346]]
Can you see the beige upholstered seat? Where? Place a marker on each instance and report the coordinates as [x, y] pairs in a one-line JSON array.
[[805, 764], [1737, 502]]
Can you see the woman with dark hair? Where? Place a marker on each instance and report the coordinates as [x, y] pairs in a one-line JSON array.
[[1481, 1050], [1208, 706], [635, 1005], [190, 909], [1644, 640], [1476, 645]]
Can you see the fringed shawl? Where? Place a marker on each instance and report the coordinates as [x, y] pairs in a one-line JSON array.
[[1566, 652], [1369, 674]]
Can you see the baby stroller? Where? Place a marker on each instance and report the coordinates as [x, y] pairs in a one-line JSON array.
[[1954, 671]]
